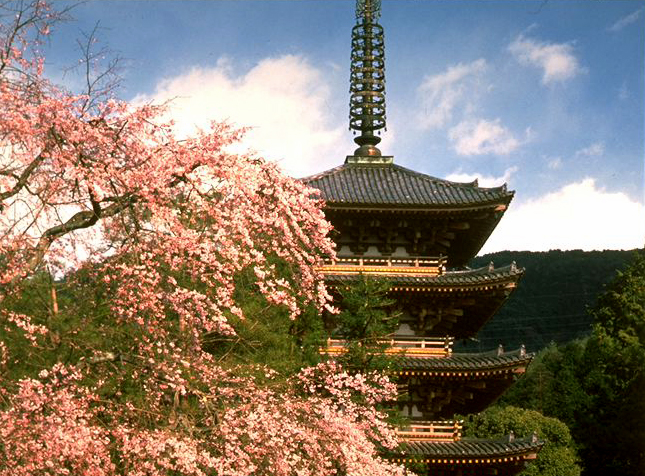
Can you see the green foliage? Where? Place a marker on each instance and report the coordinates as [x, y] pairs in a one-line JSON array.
[[267, 336], [596, 385], [365, 320], [77, 317], [83, 331], [619, 315], [558, 456], [615, 365], [552, 384]]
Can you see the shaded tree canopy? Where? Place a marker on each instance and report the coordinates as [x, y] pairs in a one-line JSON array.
[[596, 385], [557, 457], [366, 318]]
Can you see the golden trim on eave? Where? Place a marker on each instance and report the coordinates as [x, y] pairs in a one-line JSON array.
[[465, 461]]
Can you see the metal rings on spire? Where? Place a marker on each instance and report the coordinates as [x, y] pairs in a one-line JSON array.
[[367, 73]]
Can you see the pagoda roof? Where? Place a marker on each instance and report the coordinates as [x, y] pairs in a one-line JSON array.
[[465, 450], [460, 383], [484, 362], [478, 293], [431, 356], [440, 444], [392, 186], [470, 278]]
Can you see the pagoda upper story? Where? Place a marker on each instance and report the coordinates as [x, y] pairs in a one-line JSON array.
[[417, 230], [380, 209], [383, 209]]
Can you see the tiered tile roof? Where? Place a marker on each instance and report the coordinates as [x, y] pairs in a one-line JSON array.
[[391, 185], [484, 362], [466, 450]]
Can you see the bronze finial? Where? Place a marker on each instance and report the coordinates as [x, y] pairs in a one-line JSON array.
[[367, 78]]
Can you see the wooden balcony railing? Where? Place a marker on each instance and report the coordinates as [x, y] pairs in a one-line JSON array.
[[425, 266], [400, 346], [431, 431]]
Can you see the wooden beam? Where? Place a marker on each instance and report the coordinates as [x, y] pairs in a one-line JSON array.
[[448, 235], [460, 225], [455, 312]]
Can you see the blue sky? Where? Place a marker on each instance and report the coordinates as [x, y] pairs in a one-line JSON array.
[[547, 96]]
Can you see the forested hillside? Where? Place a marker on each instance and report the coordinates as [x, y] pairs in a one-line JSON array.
[[596, 385], [550, 304]]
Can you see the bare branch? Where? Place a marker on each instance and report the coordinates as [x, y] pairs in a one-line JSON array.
[[22, 179], [80, 220], [100, 68], [24, 24]]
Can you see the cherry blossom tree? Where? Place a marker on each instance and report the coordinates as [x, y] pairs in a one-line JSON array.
[[109, 373]]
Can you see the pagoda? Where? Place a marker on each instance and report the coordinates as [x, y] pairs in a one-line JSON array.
[[419, 232]]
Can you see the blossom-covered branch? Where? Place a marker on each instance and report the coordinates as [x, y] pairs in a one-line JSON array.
[[147, 236]]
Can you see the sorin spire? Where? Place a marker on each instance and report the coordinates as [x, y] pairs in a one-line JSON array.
[[367, 78]]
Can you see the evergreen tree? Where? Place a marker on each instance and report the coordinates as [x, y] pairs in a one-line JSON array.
[[612, 430], [366, 319], [596, 385]]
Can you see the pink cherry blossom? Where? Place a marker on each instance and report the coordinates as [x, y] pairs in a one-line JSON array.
[[103, 192]]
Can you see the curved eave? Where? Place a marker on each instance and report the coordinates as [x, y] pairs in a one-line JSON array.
[[481, 279], [430, 209], [486, 288], [469, 451], [392, 187], [461, 383], [466, 365]]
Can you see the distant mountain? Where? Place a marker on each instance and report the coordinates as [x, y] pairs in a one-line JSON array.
[[551, 301]]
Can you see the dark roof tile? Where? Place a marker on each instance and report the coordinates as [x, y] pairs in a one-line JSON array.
[[470, 447], [462, 361], [393, 185]]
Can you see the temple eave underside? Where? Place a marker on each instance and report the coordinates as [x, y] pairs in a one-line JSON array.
[[457, 234], [433, 302], [437, 383], [438, 448]]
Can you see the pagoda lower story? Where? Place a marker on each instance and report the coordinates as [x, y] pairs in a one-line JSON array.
[[432, 301], [435, 384], [434, 455]]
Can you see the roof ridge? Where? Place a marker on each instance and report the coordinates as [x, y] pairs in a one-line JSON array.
[[519, 352], [487, 269], [420, 175], [468, 447], [392, 185], [324, 173], [473, 184]]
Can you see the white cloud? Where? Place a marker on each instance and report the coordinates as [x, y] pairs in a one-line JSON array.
[[441, 93], [594, 150], [483, 180], [555, 59], [476, 137], [626, 20], [578, 216], [284, 100]]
